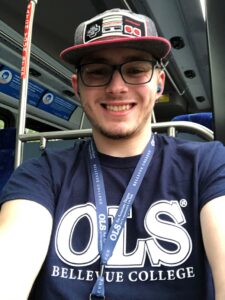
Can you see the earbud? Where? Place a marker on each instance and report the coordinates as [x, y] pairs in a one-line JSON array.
[[158, 88]]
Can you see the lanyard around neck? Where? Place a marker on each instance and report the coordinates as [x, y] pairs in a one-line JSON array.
[[107, 238]]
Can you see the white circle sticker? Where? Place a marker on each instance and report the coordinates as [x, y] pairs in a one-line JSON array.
[[5, 76], [48, 98]]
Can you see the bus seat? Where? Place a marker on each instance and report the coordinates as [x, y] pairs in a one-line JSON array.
[[204, 118], [7, 154]]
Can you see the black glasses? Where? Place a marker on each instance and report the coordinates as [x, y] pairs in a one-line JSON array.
[[133, 72]]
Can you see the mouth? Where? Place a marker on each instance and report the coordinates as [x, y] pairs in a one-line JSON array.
[[118, 108]]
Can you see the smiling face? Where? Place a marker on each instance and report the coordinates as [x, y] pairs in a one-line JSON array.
[[119, 110]]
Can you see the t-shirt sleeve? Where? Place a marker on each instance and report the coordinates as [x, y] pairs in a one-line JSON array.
[[212, 172], [33, 181]]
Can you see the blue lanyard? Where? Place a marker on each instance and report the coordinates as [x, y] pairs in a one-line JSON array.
[[107, 239]]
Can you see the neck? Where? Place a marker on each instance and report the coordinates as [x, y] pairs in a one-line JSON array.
[[126, 147]]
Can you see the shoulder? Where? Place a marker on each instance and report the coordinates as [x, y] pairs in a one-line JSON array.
[[185, 147], [206, 159], [51, 158], [40, 179], [51, 168]]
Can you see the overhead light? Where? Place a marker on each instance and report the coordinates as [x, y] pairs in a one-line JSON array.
[[203, 7]]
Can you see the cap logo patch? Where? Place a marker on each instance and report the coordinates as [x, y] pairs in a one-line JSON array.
[[93, 31], [114, 25]]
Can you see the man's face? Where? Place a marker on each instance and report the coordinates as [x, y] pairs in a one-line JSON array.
[[118, 109]]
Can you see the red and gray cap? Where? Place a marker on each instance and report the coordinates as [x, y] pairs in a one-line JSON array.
[[116, 28]]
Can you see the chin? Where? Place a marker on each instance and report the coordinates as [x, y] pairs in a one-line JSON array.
[[116, 134]]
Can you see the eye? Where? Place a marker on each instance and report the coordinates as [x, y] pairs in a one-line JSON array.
[[134, 70], [96, 70], [137, 68]]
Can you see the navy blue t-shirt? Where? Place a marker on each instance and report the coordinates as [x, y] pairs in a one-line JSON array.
[[160, 253]]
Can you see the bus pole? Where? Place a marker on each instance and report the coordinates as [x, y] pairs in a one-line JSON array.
[[21, 121]]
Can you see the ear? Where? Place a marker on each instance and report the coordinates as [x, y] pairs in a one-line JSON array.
[[160, 83], [74, 80]]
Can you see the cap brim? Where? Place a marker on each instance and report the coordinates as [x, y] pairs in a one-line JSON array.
[[159, 47]]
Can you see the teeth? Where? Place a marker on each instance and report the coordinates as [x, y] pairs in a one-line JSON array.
[[118, 107]]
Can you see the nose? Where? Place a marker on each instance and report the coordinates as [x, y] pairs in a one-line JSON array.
[[117, 84]]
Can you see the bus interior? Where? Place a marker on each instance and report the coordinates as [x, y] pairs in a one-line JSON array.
[[192, 101]]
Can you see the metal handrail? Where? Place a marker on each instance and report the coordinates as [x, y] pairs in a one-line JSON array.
[[24, 79], [184, 126]]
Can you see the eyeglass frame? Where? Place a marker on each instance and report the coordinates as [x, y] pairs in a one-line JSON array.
[[118, 67]]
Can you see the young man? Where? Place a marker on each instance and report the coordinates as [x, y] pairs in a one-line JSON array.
[[127, 214]]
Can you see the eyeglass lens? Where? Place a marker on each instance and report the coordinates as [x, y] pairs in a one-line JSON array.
[[100, 74]]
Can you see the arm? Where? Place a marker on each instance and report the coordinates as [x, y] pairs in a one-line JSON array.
[[213, 231], [25, 229]]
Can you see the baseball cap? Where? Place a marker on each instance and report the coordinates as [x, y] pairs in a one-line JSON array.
[[116, 28]]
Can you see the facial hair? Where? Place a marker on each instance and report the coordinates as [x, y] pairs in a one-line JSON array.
[[116, 135]]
